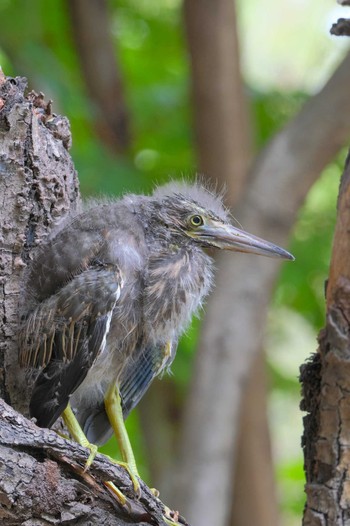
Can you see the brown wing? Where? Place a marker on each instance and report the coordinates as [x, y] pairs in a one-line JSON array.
[[65, 334]]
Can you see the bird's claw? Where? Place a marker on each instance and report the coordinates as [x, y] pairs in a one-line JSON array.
[[170, 517], [134, 477], [135, 480], [155, 492], [119, 494], [132, 474], [93, 452]]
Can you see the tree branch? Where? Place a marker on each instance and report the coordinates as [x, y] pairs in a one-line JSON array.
[[92, 34], [221, 114], [31, 455]]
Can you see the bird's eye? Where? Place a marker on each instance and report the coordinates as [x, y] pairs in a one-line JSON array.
[[196, 221]]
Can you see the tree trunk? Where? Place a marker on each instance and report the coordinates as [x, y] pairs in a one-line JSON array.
[[220, 107], [38, 185], [326, 390]]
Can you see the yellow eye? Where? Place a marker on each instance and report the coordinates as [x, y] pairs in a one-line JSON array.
[[196, 221]]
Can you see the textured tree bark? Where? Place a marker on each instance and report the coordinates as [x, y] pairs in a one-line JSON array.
[[326, 389], [38, 185], [42, 477], [92, 34], [236, 311], [42, 481]]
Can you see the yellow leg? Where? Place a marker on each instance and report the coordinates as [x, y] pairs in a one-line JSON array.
[[77, 433], [115, 415]]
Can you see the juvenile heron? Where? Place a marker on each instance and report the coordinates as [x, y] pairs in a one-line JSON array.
[[109, 295]]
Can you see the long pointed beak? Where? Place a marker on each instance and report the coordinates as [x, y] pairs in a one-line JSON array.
[[228, 237]]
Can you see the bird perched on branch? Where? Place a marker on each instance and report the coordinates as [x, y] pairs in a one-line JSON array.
[[110, 293]]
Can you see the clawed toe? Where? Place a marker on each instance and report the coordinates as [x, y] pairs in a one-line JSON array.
[[155, 492], [132, 474], [119, 494], [170, 517], [93, 452]]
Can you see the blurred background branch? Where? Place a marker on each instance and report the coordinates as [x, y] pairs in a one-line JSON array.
[[91, 31]]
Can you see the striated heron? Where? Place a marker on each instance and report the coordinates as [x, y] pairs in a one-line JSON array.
[[108, 296]]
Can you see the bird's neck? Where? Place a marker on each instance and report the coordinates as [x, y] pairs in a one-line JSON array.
[[176, 284]]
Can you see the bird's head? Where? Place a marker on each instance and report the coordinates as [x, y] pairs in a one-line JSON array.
[[193, 214]]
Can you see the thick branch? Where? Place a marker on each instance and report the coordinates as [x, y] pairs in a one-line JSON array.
[[30, 455], [326, 389]]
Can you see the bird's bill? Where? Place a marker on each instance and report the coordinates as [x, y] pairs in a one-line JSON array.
[[228, 237]]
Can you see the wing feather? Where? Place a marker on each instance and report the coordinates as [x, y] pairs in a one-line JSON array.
[[135, 380], [65, 334], [141, 371]]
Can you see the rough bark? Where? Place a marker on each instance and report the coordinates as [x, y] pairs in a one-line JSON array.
[[236, 311], [326, 390], [42, 481], [93, 38], [38, 185]]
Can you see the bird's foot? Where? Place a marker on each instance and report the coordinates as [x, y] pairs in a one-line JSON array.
[[133, 474], [170, 522], [117, 493], [79, 436], [93, 452], [171, 517], [155, 492], [134, 478]]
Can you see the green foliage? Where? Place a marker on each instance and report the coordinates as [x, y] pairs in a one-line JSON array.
[[291, 478]]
